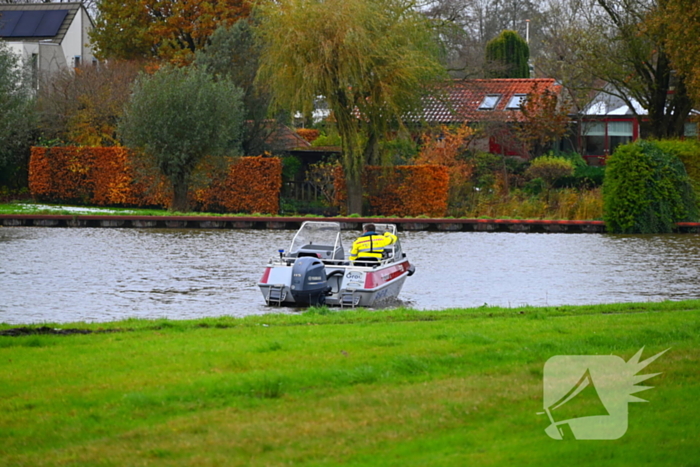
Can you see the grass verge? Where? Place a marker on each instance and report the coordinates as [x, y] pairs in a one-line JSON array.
[[26, 207], [396, 387]]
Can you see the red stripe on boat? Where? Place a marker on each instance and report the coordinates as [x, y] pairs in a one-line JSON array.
[[376, 278], [265, 276]]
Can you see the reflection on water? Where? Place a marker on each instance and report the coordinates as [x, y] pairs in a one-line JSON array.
[[63, 275]]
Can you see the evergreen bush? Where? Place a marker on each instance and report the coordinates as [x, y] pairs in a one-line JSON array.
[[688, 151], [646, 190], [508, 53]]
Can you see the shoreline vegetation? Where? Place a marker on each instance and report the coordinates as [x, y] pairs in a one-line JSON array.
[[25, 207], [353, 387]]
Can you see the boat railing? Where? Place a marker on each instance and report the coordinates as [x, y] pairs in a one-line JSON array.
[[323, 251]]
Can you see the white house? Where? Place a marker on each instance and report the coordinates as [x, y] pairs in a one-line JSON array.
[[609, 121], [49, 36]]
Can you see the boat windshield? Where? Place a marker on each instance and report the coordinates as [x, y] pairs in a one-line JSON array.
[[381, 228], [316, 233]]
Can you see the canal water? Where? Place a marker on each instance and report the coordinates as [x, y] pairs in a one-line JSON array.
[[65, 275]]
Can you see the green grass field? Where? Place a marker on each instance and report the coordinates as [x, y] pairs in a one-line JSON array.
[[361, 388]]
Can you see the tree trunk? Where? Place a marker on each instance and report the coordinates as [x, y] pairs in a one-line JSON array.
[[353, 159], [180, 201], [354, 191]]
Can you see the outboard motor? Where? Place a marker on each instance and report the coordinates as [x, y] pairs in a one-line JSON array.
[[309, 281]]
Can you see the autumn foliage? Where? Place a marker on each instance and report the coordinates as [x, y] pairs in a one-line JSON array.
[[444, 146], [402, 191], [110, 177], [170, 31], [545, 120], [252, 184], [309, 134]]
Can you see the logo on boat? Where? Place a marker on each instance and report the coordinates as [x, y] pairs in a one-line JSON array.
[[353, 276]]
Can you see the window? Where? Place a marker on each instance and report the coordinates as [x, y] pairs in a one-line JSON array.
[[490, 102], [594, 137], [34, 67], [691, 130], [76, 61], [618, 133], [602, 138], [516, 101]]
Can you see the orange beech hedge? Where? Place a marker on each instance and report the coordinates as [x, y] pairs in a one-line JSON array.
[[113, 177], [252, 184], [402, 191]]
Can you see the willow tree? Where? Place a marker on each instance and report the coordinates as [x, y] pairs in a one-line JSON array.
[[369, 59]]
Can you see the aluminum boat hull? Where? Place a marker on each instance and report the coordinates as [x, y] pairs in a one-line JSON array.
[[351, 286]]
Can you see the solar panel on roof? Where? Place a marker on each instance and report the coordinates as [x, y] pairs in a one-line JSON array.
[[27, 23], [8, 21], [51, 23], [32, 23]]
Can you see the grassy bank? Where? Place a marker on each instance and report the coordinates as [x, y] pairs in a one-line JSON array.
[[398, 387], [562, 205], [27, 207]]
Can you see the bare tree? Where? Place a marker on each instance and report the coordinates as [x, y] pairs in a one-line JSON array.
[[83, 106], [605, 45], [465, 26]]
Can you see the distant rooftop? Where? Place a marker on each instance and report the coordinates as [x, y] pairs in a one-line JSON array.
[[480, 99], [33, 22]]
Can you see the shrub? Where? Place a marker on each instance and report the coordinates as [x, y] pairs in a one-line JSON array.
[[584, 176], [688, 151], [291, 167], [550, 169], [646, 190], [324, 140]]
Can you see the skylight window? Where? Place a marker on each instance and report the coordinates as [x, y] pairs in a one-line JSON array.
[[490, 102], [516, 101]]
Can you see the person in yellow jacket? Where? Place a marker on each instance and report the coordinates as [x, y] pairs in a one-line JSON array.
[[370, 245]]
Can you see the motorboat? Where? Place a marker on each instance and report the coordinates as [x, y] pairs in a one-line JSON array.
[[314, 271]]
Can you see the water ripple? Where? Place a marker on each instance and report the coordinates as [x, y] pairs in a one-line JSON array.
[[63, 275]]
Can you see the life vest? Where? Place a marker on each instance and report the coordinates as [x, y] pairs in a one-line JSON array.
[[371, 245]]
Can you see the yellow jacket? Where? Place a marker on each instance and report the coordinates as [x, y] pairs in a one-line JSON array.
[[371, 245]]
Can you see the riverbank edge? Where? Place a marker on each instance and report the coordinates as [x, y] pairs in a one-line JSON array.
[[328, 316], [292, 223]]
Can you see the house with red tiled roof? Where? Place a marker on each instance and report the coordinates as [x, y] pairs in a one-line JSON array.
[[490, 103]]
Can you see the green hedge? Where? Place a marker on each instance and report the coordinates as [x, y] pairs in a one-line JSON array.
[[646, 190], [688, 151]]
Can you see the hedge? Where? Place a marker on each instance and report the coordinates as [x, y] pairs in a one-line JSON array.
[[402, 191], [113, 177], [688, 151], [252, 184], [646, 190]]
